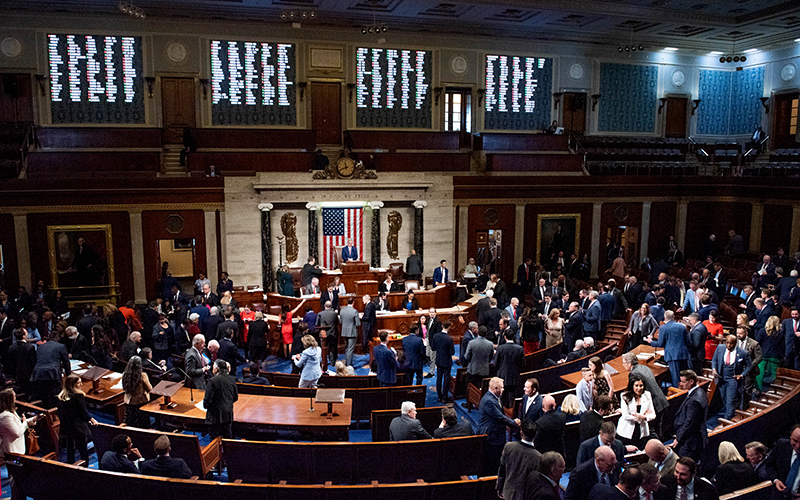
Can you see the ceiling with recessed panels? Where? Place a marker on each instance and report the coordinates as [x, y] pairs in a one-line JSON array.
[[700, 25]]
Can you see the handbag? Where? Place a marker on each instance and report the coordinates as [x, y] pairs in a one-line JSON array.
[[31, 441]]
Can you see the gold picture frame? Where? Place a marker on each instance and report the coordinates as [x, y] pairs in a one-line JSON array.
[[92, 275], [547, 224]]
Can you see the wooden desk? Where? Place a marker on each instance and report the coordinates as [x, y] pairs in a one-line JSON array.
[[109, 396], [259, 412], [620, 379]]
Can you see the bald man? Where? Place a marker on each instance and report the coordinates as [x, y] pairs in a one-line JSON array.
[[602, 470]]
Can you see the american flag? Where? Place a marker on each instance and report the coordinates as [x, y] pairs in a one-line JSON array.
[[338, 226]]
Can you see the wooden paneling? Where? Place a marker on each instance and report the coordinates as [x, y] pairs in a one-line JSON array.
[[326, 112], [417, 162], [121, 240], [480, 218], [776, 228], [154, 229], [178, 107], [612, 216], [248, 138], [394, 140], [16, 99], [98, 137], [675, 121], [242, 163], [704, 218], [8, 240], [521, 142], [574, 114], [532, 226], [662, 226], [534, 163], [93, 164]]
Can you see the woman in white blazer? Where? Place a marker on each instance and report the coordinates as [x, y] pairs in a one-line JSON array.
[[12, 426], [637, 409]]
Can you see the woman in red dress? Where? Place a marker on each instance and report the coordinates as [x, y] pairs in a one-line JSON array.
[[286, 329], [716, 334]]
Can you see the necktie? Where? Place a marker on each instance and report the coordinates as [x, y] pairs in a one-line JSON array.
[[648, 496], [515, 314], [727, 357], [792, 477], [604, 478], [682, 493], [558, 491]]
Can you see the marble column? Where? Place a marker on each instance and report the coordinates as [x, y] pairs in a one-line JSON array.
[[266, 247], [137, 257], [375, 240], [24, 252], [313, 231], [680, 232], [519, 231], [597, 214], [644, 234], [418, 228], [212, 269], [756, 221], [794, 243]]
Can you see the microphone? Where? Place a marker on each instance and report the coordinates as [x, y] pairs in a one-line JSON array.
[[186, 378]]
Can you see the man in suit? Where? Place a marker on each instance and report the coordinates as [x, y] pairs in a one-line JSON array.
[[433, 327], [606, 437], [684, 480], [753, 349], [116, 459], [164, 465], [635, 295], [538, 293], [451, 427], [406, 427], [631, 363], [176, 296], [51, 358], [6, 333], [228, 324], [791, 335], [349, 252], [414, 266], [544, 485], [254, 377], [602, 470], [368, 319], [584, 390], [620, 302], [491, 320], [210, 298], [230, 353], [548, 304], [443, 346], [312, 288], [310, 270], [672, 337], [330, 294], [221, 393], [416, 357], [513, 309], [21, 360], [591, 322], [696, 342], [756, 454], [765, 273], [764, 309], [748, 306], [492, 421], [627, 488], [483, 305], [508, 361], [651, 297], [469, 334], [519, 458], [441, 275], [478, 357], [328, 319], [592, 420], [784, 462], [730, 365], [525, 277], [196, 366], [500, 292], [719, 281], [386, 362], [350, 320], [660, 456], [573, 325], [692, 302], [691, 434], [550, 427], [531, 407]]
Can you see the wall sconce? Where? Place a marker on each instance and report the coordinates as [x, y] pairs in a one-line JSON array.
[[661, 106], [595, 98], [350, 87], [481, 94], [696, 103], [764, 101], [557, 99], [204, 85], [437, 92], [302, 86], [41, 79], [150, 81]]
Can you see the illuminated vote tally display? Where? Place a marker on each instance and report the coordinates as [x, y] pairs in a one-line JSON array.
[[96, 79], [253, 83], [518, 92], [392, 88]]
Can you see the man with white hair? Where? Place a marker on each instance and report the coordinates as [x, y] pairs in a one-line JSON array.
[[211, 350], [131, 346], [196, 366], [406, 427], [588, 345]]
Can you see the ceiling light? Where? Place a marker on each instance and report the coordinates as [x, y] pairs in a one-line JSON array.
[[627, 48], [619, 49], [670, 49], [641, 47], [312, 14], [735, 58], [743, 59], [750, 51], [722, 59], [363, 30], [797, 40], [384, 28], [715, 53], [729, 59]]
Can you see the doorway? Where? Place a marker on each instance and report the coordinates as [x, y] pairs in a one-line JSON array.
[[458, 114], [178, 107], [16, 101], [326, 112], [178, 256], [675, 121], [626, 237], [489, 251], [574, 113], [786, 116]]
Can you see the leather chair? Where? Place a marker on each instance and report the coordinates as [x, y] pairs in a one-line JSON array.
[[398, 276], [297, 275], [412, 285]]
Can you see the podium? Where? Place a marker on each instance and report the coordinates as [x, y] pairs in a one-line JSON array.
[[331, 397], [94, 374], [354, 267], [167, 389]]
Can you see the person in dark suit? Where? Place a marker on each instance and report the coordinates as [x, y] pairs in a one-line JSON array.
[[367, 323], [730, 365], [21, 360], [75, 418], [442, 343], [416, 357], [469, 334], [221, 393], [783, 461], [230, 353], [791, 334], [591, 323], [116, 459], [691, 434], [696, 342], [441, 275], [573, 325], [328, 319], [310, 270], [196, 366], [508, 361], [550, 427], [733, 473], [228, 324], [764, 310], [531, 407], [592, 420], [765, 273], [254, 377], [406, 427], [491, 320], [349, 252], [602, 470], [500, 292], [386, 362], [672, 336], [478, 357], [756, 453], [661, 457], [519, 459], [164, 465], [6, 333], [451, 427], [628, 487], [331, 294], [51, 358], [685, 479], [493, 422], [388, 285], [544, 484], [606, 437]]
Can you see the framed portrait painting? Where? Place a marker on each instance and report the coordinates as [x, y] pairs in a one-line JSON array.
[[81, 259], [557, 233]]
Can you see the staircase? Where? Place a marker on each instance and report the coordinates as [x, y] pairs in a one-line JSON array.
[[170, 161]]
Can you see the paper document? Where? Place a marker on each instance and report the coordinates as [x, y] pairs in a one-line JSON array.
[[610, 369], [74, 364], [80, 372], [117, 386], [113, 376], [200, 406]]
